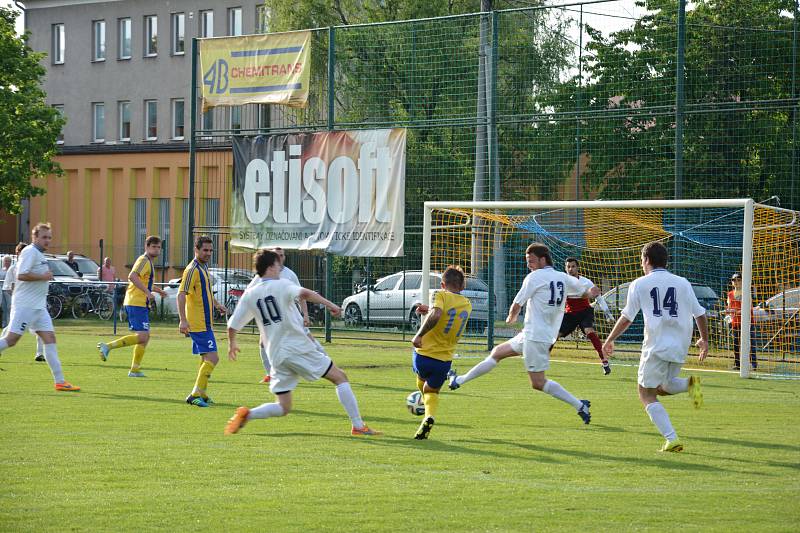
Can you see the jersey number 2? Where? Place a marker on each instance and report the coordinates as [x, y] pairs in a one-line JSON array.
[[670, 303], [270, 313]]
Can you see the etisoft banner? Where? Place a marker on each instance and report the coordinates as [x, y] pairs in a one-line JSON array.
[[256, 69], [342, 192]]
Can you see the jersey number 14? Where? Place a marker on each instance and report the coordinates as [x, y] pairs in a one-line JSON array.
[[669, 303]]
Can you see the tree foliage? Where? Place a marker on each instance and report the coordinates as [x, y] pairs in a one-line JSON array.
[[28, 127]]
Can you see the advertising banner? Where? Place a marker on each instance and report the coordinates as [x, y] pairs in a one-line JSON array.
[[342, 192], [256, 69]]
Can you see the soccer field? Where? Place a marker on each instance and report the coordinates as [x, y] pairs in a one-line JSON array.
[[129, 455]]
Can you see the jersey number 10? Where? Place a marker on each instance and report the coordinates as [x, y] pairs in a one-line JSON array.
[[270, 313]]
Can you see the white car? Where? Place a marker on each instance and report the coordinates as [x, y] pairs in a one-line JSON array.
[[236, 280], [394, 299]]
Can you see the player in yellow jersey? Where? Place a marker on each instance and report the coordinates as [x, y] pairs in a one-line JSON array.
[[137, 299], [435, 342], [195, 308]]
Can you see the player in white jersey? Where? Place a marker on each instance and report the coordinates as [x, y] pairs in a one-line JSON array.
[[292, 353], [8, 289], [544, 295], [29, 303], [668, 304], [287, 274]]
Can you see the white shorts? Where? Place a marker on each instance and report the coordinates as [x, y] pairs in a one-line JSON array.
[[311, 366], [654, 372], [536, 356], [35, 319], [517, 342]]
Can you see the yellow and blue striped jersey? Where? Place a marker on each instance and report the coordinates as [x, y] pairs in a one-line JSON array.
[[143, 266], [196, 283], [440, 342]]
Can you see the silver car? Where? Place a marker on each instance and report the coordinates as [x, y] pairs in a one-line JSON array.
[[393, 300]]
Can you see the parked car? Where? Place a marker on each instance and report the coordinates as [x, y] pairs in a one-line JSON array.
[[777, 321], [87, 268], [394, 299], [237, 280], [65, 286], [617, 298]]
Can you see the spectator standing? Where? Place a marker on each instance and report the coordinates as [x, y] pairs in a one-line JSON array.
[[5, 297], [72, 263], [734, 310]]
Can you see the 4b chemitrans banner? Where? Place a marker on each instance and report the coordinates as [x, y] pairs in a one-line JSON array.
[[266, 69], [342, 192]]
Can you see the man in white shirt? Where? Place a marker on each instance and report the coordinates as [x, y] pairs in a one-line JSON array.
[[29, 303], [5, 297], [287, 274], [668, 304], [292, 354], [544, 294]]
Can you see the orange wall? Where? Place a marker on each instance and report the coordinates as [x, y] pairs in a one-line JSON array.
[[93, 201]]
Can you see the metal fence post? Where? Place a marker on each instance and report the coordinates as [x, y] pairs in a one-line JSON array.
[[680, 98], [192, 146]]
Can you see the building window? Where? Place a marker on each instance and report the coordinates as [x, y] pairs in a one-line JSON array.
[[98, 122], [60, 137], [124, 38], [262, 13], [163, 228], [177, 119], [124, 121], [264, 116], [211, 206], [178, 34], [150, 35], [151, 120], [139, 227], [236, 118], [99, 40], [207, 23], [235, 21], [59, 44]]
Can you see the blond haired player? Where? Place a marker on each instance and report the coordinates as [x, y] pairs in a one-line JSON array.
[[435, 342], [668, 304], [292, 353], [138, 296], [29, 303]]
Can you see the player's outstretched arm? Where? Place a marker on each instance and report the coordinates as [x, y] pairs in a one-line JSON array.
[[428, 324], [233, 348], [314, 297], [619, 328], [702, 342]]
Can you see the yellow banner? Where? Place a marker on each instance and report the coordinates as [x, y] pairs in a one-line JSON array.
[[256, 69]]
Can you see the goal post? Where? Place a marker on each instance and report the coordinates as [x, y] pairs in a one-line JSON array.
[[709, 241]]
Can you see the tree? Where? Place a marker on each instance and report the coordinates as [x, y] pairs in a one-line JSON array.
[[28, 127]]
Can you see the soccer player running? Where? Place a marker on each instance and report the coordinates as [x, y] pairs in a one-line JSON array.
[[668, 304], [435, 342], [543, 294], [29, 303], [138, 296], [579, 314], [293, 354], [288, 274], [195, 301]]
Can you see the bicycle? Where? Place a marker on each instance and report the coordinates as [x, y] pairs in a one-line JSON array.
[[93, 300]]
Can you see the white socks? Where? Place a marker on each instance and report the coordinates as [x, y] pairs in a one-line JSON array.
[[51, 355], [348, 401], [660, 418], [264, 358], [266, 410], [484, 367], [676, 385], [39, 345], [557, 391]]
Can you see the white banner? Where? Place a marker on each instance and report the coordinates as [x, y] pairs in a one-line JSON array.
[[342, 192]]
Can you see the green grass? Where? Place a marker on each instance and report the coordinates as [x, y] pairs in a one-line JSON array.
[[128, 455]]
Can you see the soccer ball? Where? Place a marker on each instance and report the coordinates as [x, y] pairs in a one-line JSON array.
[[414, 403]]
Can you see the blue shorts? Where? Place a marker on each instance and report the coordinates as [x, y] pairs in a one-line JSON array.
[[203, 342], [433, 371], [138, 318]]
